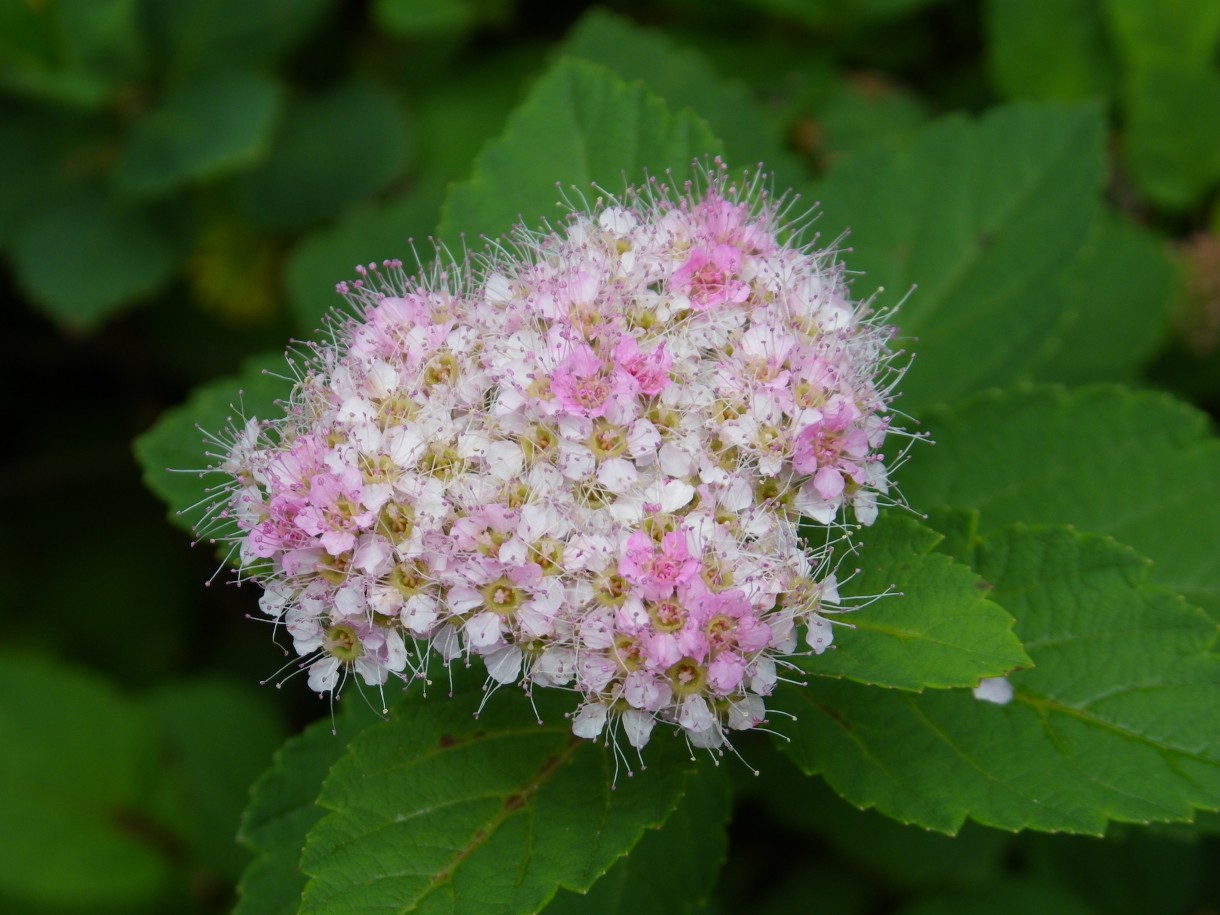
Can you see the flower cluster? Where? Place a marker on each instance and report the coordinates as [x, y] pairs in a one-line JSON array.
[[582, 458]]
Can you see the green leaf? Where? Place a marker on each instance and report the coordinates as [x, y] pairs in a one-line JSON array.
[[580, 125], [220, 737], [175, 453], [36, 147], [980, 217], [692, 844], [331, 151], [1179, 33], [282, 811], [28, 38], [939, 629], [1118, 720], [433, 18], [77, 775], [204, 128], [368, 234], [455, 117], [1172, 144], [1141, 467], [118, 253], [1117, 299], [860, 112], [683, 78], [436, 810], [1049, 50], [102, 37], [73, 52], [821, 13], [198, 35]]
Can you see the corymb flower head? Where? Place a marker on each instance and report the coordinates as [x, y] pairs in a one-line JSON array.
[[580, 458]]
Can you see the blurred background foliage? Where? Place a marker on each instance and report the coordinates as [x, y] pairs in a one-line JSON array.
[[184, 182]]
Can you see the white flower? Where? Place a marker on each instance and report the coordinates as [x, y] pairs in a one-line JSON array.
[[589, 721], [994, 689]]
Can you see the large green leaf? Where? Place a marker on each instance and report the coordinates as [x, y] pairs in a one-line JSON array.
[[78, 770], [75, 52], [433, 18], [439, 811], [1180, 33], [1171, 95], [821, 13], [118, 253], [28, 40], [195, 35], [1118, 720], [1139, 466], [980, 217], [1116, 303], [683, 78], [938, 630], [455, 117], [858, 112], [580, 125], [37, 146], [207, 127], [692, 844], [282, 810], [176, 451], [1172, 143], [330, 152], [1049, 50]]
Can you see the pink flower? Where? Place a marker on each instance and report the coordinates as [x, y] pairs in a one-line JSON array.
[[730, 621], [648, 371], [831, 449], [726, 672], [710, 277], [334, 512], [583, 385], [657, 573]]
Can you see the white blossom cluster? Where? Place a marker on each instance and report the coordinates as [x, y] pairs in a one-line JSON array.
[[580, 458]]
